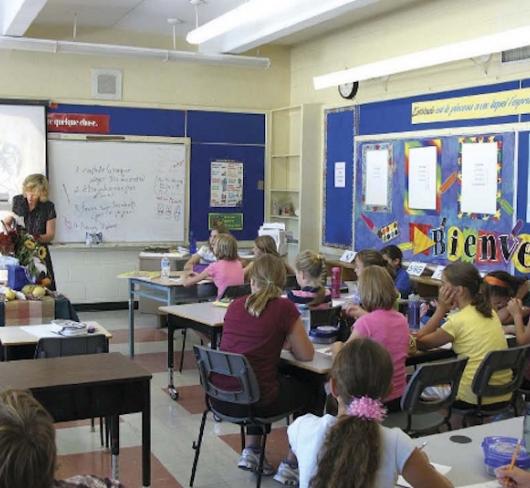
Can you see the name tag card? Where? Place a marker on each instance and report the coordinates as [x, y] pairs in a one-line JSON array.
[[416, 268], [348, 256], [437, 275]]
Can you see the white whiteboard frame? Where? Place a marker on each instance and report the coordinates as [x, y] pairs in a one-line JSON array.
[[185, 141]]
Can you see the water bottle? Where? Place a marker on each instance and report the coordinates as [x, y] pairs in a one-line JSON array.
[[193, 243], [335, 282], [413, 312], [526, 427], [305, 314], [164, 268]]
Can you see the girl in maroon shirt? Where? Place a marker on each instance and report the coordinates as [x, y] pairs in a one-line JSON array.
[[258, 326]]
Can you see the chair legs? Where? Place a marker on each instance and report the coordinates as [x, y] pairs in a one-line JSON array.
[[243, 443], [184, 335], [261, 456], [197, 447]]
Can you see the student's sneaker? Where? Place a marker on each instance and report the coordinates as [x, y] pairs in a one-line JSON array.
[[287, 475], [249, 461]]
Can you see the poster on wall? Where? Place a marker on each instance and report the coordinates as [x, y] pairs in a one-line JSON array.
[[226, 184], [422, 178], [377, 172], [479, 177]]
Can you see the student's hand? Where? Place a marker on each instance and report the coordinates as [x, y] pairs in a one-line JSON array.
[[446, 297], [515, 307], [355, 311], [335, 348], [514, 477]]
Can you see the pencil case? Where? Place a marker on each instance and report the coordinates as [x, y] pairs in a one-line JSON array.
[[498, 452]]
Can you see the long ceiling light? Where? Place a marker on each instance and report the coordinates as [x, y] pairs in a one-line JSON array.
[[257, 22], [69, 47], [479, 46]]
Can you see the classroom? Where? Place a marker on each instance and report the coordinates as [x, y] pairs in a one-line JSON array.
[[150, 149]]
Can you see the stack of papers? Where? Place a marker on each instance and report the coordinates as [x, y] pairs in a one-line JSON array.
[[69, 328]]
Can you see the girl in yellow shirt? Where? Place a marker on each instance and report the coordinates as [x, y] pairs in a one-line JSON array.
[[474, 330]]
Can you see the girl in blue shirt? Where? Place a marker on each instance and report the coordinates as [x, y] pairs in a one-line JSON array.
[[394, 257]]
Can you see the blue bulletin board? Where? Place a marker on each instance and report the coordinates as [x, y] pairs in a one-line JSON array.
[[445, 234]]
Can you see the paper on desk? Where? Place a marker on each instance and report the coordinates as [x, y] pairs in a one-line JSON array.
[[47, 330], [441, 468]]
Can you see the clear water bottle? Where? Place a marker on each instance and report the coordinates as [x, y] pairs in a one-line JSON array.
[[305, 314], [165, 267], [193, 243], [413, 312]]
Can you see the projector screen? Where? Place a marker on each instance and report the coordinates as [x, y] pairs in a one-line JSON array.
[[22, 146]]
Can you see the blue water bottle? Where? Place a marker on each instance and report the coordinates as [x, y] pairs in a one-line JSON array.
[[193, 243], [413, 312], [165, 267]]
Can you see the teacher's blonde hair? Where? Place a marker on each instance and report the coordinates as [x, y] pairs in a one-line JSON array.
[[38, 184], [268, 277]]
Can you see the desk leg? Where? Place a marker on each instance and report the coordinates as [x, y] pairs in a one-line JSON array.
[[146, 437], [131, 318], [171, 326], [115, 446]]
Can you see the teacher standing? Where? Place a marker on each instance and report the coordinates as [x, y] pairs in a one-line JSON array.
[[38, 213]]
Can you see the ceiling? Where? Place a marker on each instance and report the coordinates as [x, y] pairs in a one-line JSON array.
[[150, 16]]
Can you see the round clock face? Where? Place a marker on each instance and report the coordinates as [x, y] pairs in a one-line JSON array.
[[348, 90]]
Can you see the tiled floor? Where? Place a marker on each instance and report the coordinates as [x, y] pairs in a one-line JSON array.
[[174, 425]]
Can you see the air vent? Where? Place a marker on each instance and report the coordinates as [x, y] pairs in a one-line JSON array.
[[106, 84], [515, 55]]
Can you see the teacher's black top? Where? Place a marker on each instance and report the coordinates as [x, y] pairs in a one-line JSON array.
[[35, 222]]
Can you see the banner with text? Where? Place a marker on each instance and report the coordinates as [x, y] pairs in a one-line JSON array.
[[498, 104]]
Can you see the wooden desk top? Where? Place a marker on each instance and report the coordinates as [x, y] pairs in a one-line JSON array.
[[174, 280], [12, 335], [38, 374], [204, 313]]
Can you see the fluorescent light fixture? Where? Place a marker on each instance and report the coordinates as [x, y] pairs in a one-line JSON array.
[[479, 46], [69, 47], [257, 22]]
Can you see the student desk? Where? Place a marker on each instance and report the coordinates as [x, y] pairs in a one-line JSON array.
[[29, 335], [167, 291], [467, 460], [82, 387], [208, 319]]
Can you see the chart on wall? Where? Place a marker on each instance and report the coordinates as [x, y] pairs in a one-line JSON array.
[[441, 199], [226, 184]]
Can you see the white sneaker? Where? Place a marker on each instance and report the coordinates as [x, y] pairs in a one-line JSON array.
[[249, 461], [287, 475]]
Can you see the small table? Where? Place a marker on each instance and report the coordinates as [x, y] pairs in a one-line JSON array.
[[205, 318], [82, 387], [167, 291], [28, 335]]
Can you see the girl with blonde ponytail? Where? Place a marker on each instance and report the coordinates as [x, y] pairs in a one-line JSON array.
[[310, 274], [353, 450], [258, 326]]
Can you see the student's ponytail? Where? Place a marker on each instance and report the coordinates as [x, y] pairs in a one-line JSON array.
[[268, 276], [314, 265], [351, 453], [467, 276]]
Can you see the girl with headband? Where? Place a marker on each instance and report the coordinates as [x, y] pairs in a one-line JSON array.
[[354, 449]]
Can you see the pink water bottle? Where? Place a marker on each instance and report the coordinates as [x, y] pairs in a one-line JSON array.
[[335, 282]]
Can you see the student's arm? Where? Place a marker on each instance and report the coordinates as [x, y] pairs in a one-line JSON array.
[[300, 345], [195, 259], [194, 278], [419, 472], [337, 346], [354, 311], [288, 269], [432, 335], [50, 232], [522, 333], [513, 476], [505, 316]]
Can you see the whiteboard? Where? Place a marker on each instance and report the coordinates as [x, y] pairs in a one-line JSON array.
[[22, 146], [130, 191]]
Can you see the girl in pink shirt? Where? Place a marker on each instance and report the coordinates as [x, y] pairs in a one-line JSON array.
[[226, 271], [383, 324]]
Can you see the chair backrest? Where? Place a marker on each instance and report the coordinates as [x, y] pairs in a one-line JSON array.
[[513, 359], [53, 347], [236, 291], [291, 283], [325, 316], [235, 366], [433, 374]]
